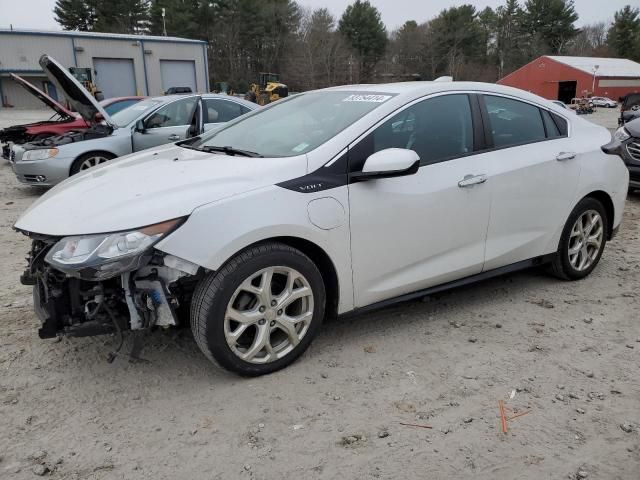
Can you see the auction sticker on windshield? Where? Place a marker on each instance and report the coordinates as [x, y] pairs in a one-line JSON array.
[[367, 98]]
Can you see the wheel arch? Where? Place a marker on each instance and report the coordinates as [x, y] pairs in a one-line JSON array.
[[319, 257], [90, 152], [605, 199]]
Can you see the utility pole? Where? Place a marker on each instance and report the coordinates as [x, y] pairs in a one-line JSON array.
[[593, 84], [164, 25]]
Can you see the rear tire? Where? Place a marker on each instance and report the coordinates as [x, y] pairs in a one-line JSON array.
[[582, 242], [89, 160], [260, 311]]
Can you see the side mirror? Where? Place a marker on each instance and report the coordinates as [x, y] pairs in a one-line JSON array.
[[140, 126], [391, 162]]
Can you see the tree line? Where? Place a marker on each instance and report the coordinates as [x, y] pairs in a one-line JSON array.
[[313, 48]]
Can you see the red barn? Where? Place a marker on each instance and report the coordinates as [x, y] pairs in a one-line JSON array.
[[564, 78]]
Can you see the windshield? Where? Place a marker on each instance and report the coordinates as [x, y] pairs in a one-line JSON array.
[[126, 116], [294, 126]]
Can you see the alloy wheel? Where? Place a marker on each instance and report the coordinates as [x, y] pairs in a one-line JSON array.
[[268, 314], [585, 240], [92, 162]]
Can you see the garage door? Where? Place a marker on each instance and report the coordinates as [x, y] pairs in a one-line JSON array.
[[115, 76], [178, 73]]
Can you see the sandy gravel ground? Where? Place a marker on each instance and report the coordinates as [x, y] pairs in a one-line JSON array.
[[568, 353]]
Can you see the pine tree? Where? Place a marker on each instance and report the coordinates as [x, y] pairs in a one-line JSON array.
[[74, 15], [183, 18], [122, 16], [362, 26], [549, 24], [624, 34]]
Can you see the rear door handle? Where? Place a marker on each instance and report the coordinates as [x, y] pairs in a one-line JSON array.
[[565, 156], [470, 180], [173, 137]]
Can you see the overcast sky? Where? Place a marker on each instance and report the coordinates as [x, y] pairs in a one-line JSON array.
[[38, 13]]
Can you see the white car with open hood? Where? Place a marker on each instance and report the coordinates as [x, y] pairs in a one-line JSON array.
[[325, 203]]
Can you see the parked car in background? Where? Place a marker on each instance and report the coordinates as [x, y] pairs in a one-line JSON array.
[[629, 108], [625, 142], [604, 102], [149, 123], [329, 202], [178, 90], [63, 120]]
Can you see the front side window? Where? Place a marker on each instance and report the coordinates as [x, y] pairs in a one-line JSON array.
[[437, 129], [175, 114], [513, 122], [295, 125]]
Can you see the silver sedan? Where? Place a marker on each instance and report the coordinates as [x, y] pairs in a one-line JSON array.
[[149, 123]]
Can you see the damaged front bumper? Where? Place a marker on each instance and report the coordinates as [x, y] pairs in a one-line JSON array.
[[154, 295]]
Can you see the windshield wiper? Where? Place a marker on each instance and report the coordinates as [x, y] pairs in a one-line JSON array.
[[229, 151]]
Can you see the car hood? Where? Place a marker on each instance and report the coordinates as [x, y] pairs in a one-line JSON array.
[[80, 100], [43, 97], [150, 187]]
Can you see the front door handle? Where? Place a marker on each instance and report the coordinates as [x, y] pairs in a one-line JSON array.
[[565, 156], [173, 138], [470, 180]]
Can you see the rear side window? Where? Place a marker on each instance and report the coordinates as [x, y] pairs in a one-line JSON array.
[[513, 122], [218, 111], [437, 129]]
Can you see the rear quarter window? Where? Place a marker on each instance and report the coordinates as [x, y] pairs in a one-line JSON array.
[[561, 123]]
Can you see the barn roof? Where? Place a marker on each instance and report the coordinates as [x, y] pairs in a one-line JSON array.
[[607, 67]]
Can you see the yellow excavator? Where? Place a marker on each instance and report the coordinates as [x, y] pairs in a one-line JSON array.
[[267, 90]]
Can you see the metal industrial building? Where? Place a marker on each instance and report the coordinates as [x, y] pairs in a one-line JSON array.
[[122, 65], [564, 78]]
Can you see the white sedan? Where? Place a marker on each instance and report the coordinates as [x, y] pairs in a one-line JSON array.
[[604, 102], [325, 203]]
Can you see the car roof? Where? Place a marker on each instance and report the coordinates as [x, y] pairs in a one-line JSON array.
[[421, 88], [170, 98], [109, 101]]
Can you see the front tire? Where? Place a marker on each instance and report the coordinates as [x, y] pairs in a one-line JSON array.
[[582, 241], [260, 311], [89, 160]]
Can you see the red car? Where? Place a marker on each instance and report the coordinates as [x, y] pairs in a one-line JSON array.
[[62, 122]]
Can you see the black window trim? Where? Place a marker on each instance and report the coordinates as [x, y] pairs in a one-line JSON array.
[[487, 123]]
